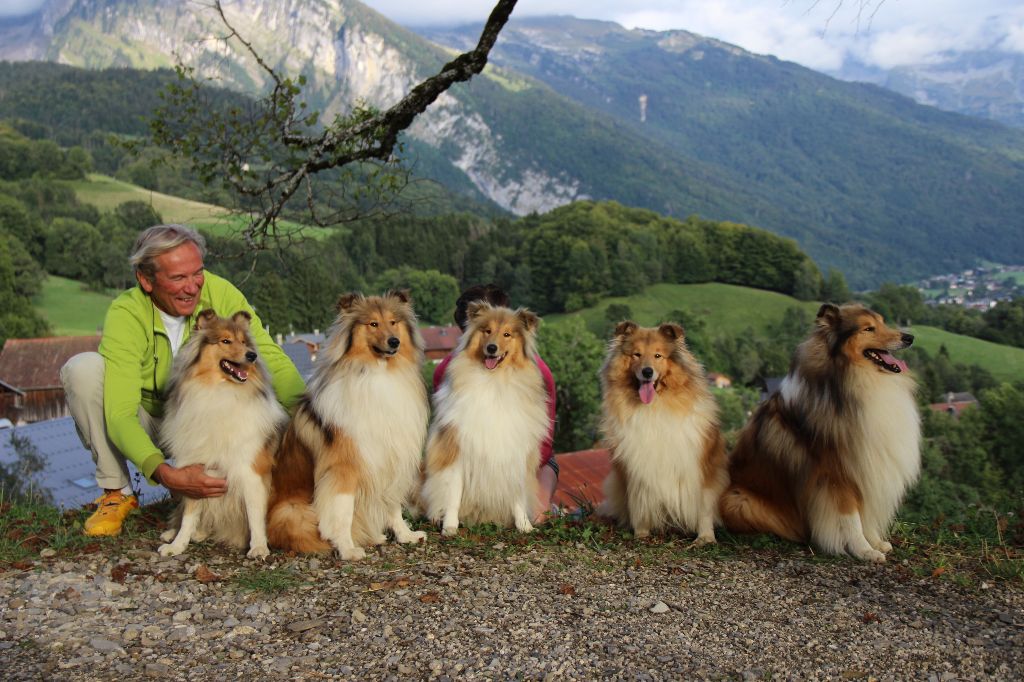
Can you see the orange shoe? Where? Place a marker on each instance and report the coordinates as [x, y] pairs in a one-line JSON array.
[[111, 509]]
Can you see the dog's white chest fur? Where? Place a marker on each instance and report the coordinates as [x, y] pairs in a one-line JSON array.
[[500, 418], [662, 451], [222, 427], [888, 457], [383, 412]]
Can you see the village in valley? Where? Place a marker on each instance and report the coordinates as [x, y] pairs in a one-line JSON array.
[[978, 288]]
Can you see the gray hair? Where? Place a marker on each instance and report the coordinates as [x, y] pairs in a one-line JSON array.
[[159, 239]]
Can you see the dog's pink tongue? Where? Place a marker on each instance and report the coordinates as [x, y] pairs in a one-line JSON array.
[[241, 374], [491, 363], [647, 392], [893, 360]]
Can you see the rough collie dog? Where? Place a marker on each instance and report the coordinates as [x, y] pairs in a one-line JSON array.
[[829, 456], [222, 413], [351, 456], [490, 416], [660, 423]]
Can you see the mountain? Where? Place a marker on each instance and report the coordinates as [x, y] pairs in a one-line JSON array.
[[984, 83], [865, 180]]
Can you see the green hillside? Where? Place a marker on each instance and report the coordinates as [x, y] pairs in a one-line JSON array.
[[106, 193], [729, 310], [70, 308]]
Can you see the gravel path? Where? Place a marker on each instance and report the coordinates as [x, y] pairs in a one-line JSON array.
[[447, 611]]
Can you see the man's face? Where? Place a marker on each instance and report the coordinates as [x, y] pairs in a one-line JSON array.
[[179, 277]]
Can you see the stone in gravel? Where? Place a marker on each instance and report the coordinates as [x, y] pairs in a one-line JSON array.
[[106, 646], [16, 603], [230, 622], [48, 553], [181, 616], [659, 607], [157, 670], [358, 616], [303, 625]]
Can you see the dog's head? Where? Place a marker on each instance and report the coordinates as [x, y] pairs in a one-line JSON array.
[[860, 337], [499, 337], [375, 328], [221, 349], [647, 358]]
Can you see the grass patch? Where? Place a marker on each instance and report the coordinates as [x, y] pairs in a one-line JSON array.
[[1004, 362], [70, 307], [264, 579], [729, 310], [107, 193]]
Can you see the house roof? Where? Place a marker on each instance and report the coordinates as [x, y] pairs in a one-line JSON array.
[[4, 386], [301, 357], [30, 364], [440, 338], [69, 475]]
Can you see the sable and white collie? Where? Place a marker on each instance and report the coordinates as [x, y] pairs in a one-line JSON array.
[[829, 457], [221, 412], [490, 416], [660, 422], [351, 456]]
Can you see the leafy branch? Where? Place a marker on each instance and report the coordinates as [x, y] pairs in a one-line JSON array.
[[268, 152]]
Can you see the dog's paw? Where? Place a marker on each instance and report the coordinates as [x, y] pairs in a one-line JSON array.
[[882, 546], [199, 535], [168, 535], [170, 550], [352, 553], [258, 552], [641, 533], [449, 531], [524, 526], [702, 540], [378, 539], [872, 555], [412, 537]]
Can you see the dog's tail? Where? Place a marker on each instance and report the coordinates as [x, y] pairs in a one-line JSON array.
[[744, 512], [292, 526]]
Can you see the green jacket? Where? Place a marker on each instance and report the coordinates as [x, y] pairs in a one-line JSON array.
[[137, 358]]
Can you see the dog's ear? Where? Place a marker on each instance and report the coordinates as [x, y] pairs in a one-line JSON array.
[[403, 295], [671, 331], [242, 319], [346, 301], [476, 308], [206, 318], [528, 319], [828, 315], [625, 328]]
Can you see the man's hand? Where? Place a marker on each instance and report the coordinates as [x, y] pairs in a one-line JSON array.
[[190, 481]]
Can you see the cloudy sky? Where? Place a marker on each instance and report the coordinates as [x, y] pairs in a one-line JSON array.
[[816, 33]]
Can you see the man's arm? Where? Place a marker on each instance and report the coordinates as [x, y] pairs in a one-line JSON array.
[[124, 347]]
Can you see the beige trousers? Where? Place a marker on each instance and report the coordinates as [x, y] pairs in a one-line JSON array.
[[82, 377]]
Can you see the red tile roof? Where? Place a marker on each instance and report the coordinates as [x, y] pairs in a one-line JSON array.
[[440, 338], [32, 364], [580, 477]]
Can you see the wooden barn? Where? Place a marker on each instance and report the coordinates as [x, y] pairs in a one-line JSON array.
[[439, 341], [30, 388]]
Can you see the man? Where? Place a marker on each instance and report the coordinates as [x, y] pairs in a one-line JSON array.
[[116, 395]]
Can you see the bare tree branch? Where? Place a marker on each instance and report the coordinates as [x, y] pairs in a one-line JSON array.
[[270, 172]]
